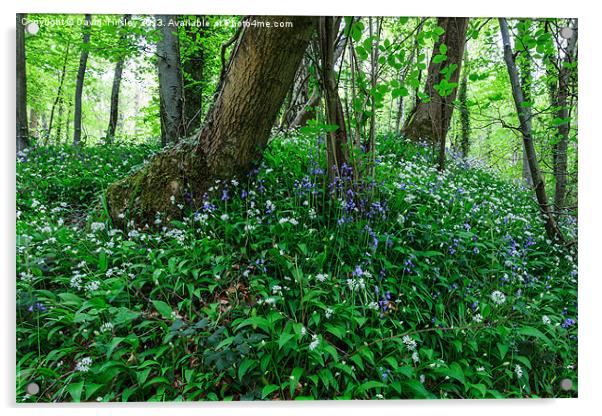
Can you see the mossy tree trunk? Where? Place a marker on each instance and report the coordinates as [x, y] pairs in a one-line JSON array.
[[431, 118], [258, 76]]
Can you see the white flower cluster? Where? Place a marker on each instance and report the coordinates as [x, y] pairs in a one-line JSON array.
[[97, 226], [498, 297], [289, 220], [84, 364], [92, 286], [518, 370], [355, 284], [321, 277], [315, 341], [106, 327], [409, 342]]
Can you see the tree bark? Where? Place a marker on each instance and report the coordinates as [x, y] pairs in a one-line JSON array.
[[22, 129], [79, 85], [34, 124], [193, 69], [59, 93], [259, 74], [430, 119], [171, 89], [464, 116], [336, 146], [560, 154], [524, 61], [551, 227], [114, 111]]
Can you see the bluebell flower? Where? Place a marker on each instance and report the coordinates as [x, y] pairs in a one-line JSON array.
[[568, 322]]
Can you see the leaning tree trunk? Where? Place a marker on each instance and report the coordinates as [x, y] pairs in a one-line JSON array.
[[560, 156], [79, 85], [171, 90], [551, 227], [22, 130], [114, 111], [259, 74], [430, 120]]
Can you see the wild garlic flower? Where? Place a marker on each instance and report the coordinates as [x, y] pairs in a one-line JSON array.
[[498, 297]]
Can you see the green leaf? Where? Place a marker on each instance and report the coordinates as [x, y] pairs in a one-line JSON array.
[[257, 321], [439, 58], [337, 331], [534, 332], [75, 390], [503, 349], [244, 367], [269, 389], [163, 308], [295, 379], [284, 339]]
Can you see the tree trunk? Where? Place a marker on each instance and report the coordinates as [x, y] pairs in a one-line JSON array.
[[560, 158], [260, 72], [33, 123], [59, 129], [299, 96], [171, 94], [328, 29], [308, 111], [373, 32], [59, 93], [464, 116], [22, 130], [79, 85], [430, 119], [526, 79], [193, 67], [114, 111], [551, 227]]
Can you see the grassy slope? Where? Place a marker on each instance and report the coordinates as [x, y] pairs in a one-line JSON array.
[[275, 290]]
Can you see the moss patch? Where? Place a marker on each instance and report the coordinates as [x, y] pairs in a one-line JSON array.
[[173, 180]]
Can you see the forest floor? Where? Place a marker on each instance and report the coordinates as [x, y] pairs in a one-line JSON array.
[[410, 284]]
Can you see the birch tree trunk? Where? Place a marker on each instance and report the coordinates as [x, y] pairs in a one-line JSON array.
[[22, 129], [79, 85], [259, 74], [171, 90], [551, 227]]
